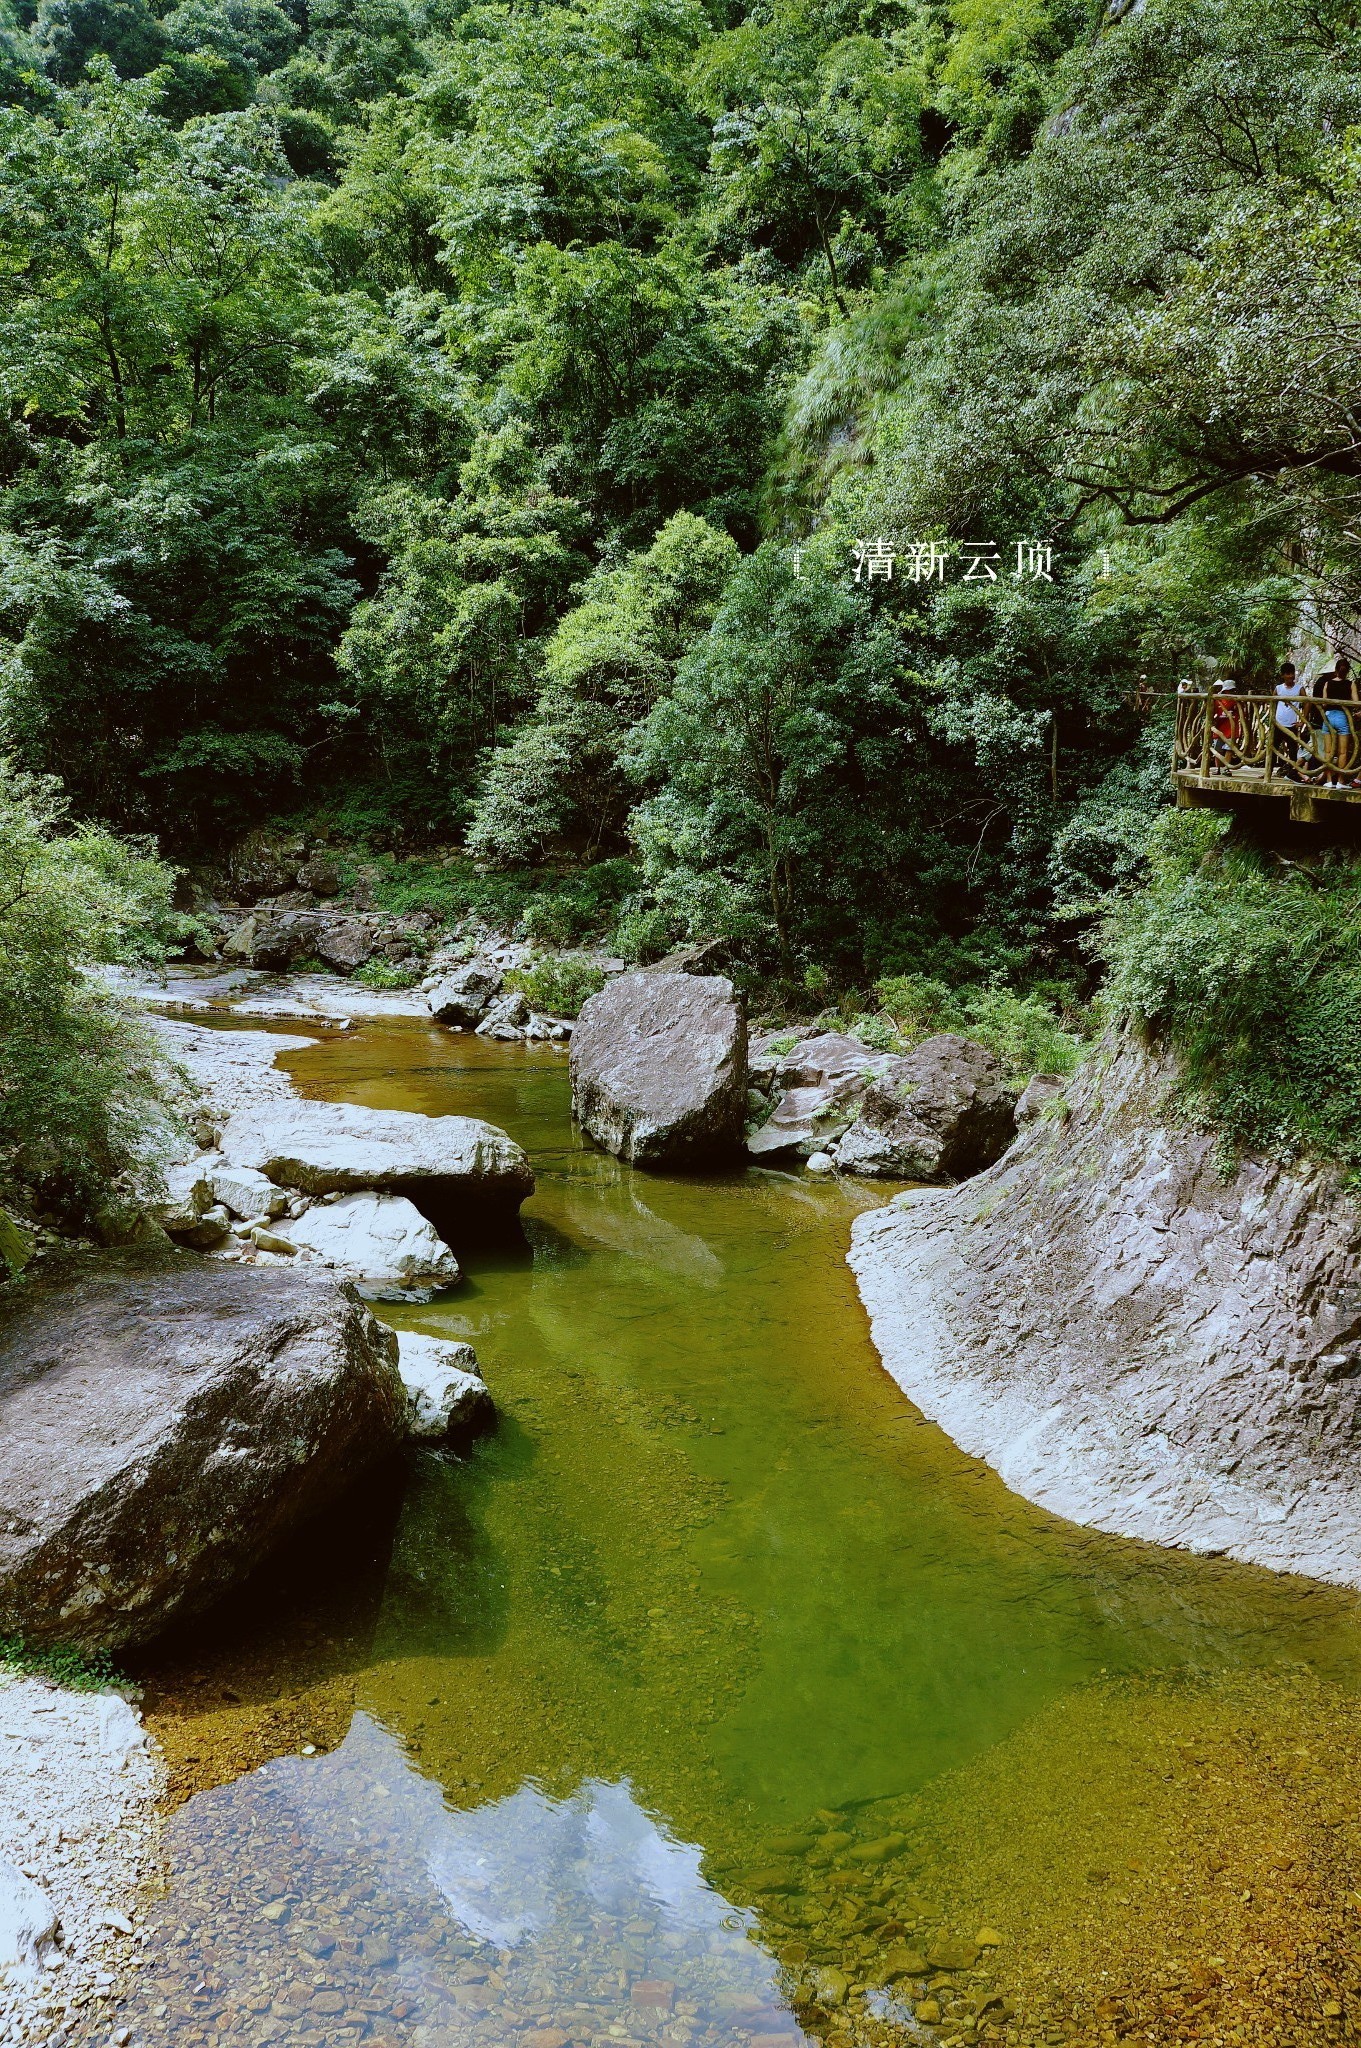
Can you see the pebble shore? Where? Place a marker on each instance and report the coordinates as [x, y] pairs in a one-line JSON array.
[[79, 1790]]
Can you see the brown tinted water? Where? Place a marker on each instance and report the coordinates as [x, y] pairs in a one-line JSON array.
[[718, 1699]]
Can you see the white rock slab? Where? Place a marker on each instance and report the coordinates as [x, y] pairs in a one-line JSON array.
[[382, 1241], [245, 1191], [445, 1391], [329, 1147], [28, 1921]]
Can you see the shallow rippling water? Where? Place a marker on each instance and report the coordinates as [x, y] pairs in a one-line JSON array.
[[717, 1699]]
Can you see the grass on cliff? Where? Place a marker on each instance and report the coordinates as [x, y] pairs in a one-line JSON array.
[[1249, 964]]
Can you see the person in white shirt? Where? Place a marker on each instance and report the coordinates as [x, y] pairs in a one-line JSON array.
[[1289, 687]]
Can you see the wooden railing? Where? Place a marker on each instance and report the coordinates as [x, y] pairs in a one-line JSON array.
[[1238, 743]]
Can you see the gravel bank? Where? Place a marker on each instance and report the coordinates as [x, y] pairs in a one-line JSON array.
[[79, 1789]]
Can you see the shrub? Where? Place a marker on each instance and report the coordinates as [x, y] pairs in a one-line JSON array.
[[385, 974], [77, 1670], [580, 906], [1023, 1031], [644, 933], [448, 890], [557, 987], [81, 1080], [878, 1033], [917, 1005], [1251, 968]]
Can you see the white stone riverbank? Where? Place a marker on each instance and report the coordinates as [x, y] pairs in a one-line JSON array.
[[80, 1783], [1133, 1336]]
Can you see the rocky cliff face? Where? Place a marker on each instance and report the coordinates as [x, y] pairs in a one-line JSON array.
[[1134, 1338]]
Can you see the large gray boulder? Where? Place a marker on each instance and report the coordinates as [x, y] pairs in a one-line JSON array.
[[659, 1068], [1134, 1334], [326, 1148], [940, 1112], [164, 1420]]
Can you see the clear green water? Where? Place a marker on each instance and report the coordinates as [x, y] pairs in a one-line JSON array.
[[713, 1557], [712, 1541]]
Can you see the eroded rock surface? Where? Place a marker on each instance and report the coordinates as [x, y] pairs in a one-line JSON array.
[[1133, 1337], [815, 1086], [940, 1112], [659, 1065], [163, 1421], [341, 1147]]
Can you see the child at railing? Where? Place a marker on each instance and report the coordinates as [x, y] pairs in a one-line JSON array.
[[1226, 726]]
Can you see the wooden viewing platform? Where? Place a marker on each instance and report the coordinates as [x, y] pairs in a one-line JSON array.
[[1231, 746]]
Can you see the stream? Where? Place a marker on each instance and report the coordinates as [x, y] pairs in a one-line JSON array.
[[716, 1698]]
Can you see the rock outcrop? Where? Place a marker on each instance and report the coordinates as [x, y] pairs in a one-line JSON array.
[[659, 1065], [462, 996], [447, 1397], [341, 1148], [1133, 1336], [815, 1085], [163, 1421], [940, 1112]]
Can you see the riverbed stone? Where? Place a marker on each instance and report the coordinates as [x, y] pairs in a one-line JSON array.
[[164, 1419], [382, 1241], [463, 994], [504, 1016], [244, 1190], [659, 1068], [1133, 1336], [28, 1923], [943, 1111], [188, 1196], [343, 1147], [445, 1392]]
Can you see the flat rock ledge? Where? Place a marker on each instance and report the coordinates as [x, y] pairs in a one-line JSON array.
[[164, 1420], [324, 1148], [1133, 1338]]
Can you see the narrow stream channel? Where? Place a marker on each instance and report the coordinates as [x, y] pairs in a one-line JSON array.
[[711, 1692]]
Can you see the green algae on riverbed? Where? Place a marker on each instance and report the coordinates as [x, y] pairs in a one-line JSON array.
[[712, 1556]]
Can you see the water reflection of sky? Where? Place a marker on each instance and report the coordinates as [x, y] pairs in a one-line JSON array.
[[572, 1905], [504, 1869]]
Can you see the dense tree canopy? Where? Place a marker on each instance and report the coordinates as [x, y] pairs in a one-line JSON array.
[[484, 411]]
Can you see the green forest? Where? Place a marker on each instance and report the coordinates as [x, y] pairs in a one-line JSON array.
[[764, 469]]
